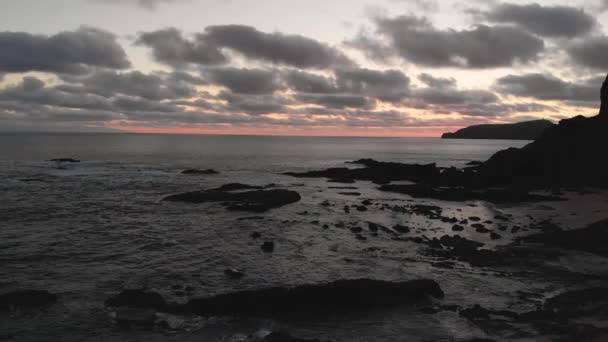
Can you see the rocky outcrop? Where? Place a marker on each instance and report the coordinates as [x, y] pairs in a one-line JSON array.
[[255, 201], [341, 295], [27, 298], [570, 153], [528, 130], [590, 239]]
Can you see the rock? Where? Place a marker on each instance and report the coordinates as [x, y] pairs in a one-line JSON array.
[[284, 337], [138, 299], [341, 295], [457, 228], [256, 235], [65, 160], [129, 317], [268, 246], [239, 186], [361, 208], [255, 201], [474, 219], [495, 236], [234, 273], [527, 130], [350, 193], [402, 229], [27, 298], [590, 239], [200, 172], [480, 228], [360, 237]]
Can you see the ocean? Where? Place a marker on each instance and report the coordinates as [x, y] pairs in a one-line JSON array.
[[87, 230]]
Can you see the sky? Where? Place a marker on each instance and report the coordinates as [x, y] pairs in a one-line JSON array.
[[283, 67]]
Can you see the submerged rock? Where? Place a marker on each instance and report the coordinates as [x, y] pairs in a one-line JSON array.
[[27, 298], [341, 295], [200, 172], [138, 299], [255, 201], [65, 160]]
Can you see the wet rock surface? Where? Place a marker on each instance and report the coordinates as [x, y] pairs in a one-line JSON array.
[[254, 201], [27, 298]]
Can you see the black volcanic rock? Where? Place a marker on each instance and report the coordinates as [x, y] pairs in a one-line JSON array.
[[27, 298], [341, 295], [528, 130], [199, 172], [256, 201]]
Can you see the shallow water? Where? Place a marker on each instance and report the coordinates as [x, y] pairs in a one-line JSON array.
[[87, 230]]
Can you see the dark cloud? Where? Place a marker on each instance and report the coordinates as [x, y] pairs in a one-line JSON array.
[[416, 40], [547, 87], [388, 85], [310, 83], [169, 46], [339, 101], [437, 82], [253, 104], [278, 48], [136, 83], [591, 52], [443, 96], [246, 81], [548, 21], [70, 52]]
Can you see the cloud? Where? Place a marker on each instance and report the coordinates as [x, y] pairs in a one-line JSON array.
[[277, 48], [70, 52], [591, 52], [548, 21], [253, 104], [245, 81], [170, 47], [147, 4], [388, 85], [310, 83], [338, 101], [437, 82], [548, 87], [136, 83], [416, 40]]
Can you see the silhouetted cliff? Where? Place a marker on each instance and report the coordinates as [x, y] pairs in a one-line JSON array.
[[570, 153], [528, 130]]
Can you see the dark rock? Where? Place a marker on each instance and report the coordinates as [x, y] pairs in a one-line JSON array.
[[361, 208], [528, 130], [401, 229], [366, 202], [495, 236], [350, 193], [474, 219], [138, 299], [239, 186], [356, 230], [65, 160], [27, 298], [256, 201], [268, 246], [284, 337], [256, 235], [130, 317], [341, 295], [200, 172], [234, 273], [590, 239], [457, 228], [360, 237]]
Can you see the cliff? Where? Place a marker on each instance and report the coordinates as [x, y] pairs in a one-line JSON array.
[[528, 130]]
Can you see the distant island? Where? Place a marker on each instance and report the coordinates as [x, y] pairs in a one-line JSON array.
[[527, 130]]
